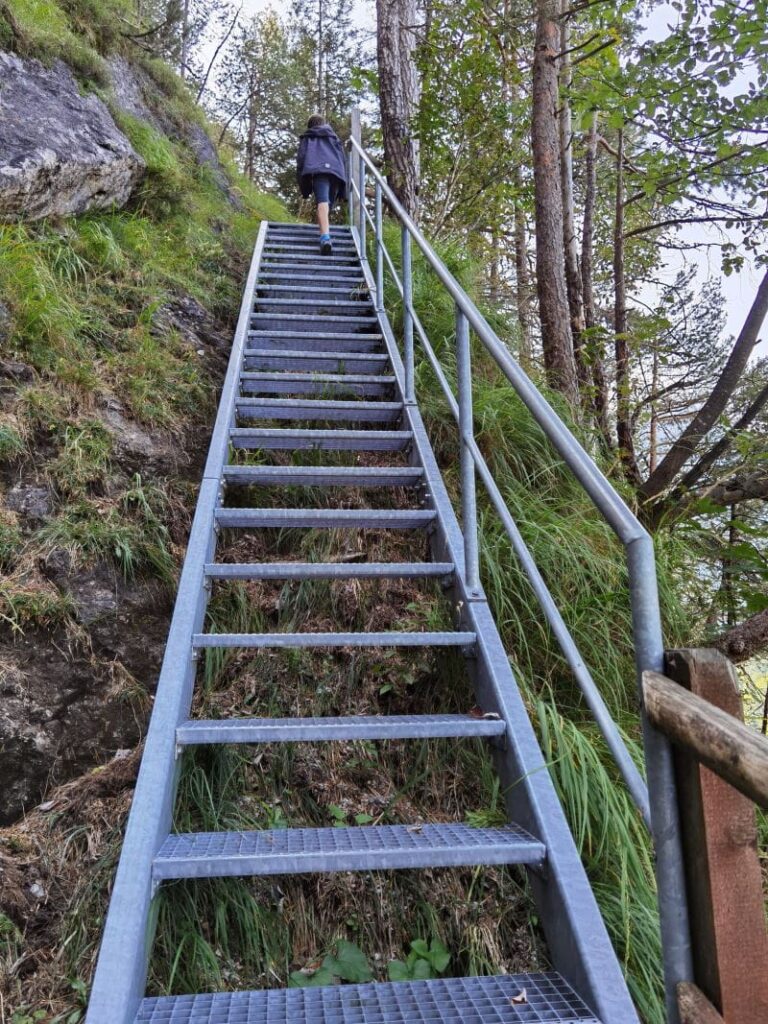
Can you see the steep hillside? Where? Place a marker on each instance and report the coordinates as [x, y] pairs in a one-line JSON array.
[[122, 252]]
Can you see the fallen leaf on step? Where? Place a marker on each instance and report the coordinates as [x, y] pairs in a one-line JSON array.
[[477, 712]]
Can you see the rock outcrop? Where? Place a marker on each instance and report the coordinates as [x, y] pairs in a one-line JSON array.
[[60, 152]]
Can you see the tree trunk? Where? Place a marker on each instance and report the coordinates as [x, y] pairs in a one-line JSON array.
[[710, 412], [744, 641], [620, 328], [184, 39], [550, 272], [573, 281], [397, 21], [320, 72], [594, 347], [522, 281]]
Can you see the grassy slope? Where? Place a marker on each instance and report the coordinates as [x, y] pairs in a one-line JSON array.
[[81, 294]]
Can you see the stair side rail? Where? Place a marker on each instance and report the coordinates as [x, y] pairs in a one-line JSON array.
[[657, 802]]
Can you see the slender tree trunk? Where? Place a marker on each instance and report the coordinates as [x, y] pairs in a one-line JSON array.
[[494, 278], [707, 416], [522, 281], [397, 22], [620, 328], [550, 272], [184, 39], [653, 442], [320, 73], [728, 568], [595, 354], [572, 271]]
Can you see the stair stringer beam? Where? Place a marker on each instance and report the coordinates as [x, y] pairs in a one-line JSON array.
[[576, 934], [121, 970]]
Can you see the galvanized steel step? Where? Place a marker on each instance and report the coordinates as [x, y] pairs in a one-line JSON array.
[[325, 476], [289, 851], [255, 383], [319, 341], [326, 570], [318, 409], [290, 640], [325, 518], [311, 323], [335, 362], [287, 439], [314, 730], [314, 279], [506, 999]]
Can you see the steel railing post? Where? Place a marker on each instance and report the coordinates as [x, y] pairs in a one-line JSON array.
[[362, 225], [410, 393], [379, 253], [467, 462], [350, 192]]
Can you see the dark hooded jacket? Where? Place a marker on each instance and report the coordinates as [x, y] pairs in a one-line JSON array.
[[320, 152]]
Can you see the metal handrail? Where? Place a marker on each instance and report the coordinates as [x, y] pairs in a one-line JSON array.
[[608, 728], [657, 802]]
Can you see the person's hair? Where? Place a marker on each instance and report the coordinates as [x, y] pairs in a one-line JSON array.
[[316, 121]]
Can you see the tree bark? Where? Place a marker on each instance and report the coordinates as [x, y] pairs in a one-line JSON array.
[[573, 282], [522, 280], [707, 416], [746, 639], [620, 329], [550, 271], [397, 22], [184, 39], [594, 346]]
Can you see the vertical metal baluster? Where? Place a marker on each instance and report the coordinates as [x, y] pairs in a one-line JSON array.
[[410, 396], [467, 463], [379, 253], [362, 208], [350, 193]]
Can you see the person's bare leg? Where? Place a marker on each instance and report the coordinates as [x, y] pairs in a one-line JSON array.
[[323, 218]]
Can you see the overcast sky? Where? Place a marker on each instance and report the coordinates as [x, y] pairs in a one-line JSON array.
[[738, 289]]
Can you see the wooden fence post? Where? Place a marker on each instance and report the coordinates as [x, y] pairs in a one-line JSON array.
[[728, 928]]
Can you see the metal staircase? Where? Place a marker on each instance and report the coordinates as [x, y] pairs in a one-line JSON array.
[[314, 345]]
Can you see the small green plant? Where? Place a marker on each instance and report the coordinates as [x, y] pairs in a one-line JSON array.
[[347, 964], [425, 960], [11, 442]]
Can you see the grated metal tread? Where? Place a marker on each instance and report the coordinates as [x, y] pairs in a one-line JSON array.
[[280, 640], [280, 341], [316, 335], [354, 362], [285, 383], [360, 727], [326, 570], [325, 476], [286, 438], [490, 1000], [318, 409], [325, 518], [321, 306], [313, 279], [311, 321], [290, 851]]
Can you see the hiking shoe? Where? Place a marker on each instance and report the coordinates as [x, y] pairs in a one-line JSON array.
[[326, 247]]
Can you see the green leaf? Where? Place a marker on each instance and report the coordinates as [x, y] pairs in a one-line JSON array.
[[314, 979], [422, 970], [398, 971], [350, 963], [439, 956]]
